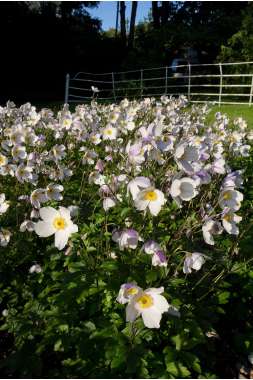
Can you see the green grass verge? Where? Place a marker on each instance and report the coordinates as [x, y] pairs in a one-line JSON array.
[[233, 111]]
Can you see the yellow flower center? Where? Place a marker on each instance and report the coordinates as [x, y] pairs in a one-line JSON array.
[[145, 301], [66, 123], [59, 223], [227, 196], [108, 132], [2, 160], [132, 291], [150, 196], [228, 217]]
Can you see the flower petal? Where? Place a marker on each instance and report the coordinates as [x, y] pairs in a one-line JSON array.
[[61, 238], [44, 229]]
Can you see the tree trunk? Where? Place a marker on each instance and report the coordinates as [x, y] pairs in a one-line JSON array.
[[132, 24], [165, 9], [117, 20], [155, 14], [123, 23]]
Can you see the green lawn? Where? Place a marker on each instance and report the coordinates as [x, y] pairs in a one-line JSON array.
[[234, 111]]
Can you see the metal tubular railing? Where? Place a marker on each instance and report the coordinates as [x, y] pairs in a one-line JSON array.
[[189, 80]]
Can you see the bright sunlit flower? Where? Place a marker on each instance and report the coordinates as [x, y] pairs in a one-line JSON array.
[[231, 199], [138, 184], [56, 223], [54, 191], [150, 198], [229, 222], [3, 204], [184, 188], [3, 160], [150, 304], [109, 133]]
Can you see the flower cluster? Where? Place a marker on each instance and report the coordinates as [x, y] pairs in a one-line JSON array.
[[160, 176]]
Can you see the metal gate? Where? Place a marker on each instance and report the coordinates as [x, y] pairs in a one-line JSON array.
[[220, 83]]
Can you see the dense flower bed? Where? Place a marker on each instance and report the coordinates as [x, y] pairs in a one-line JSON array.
[[118, 225]]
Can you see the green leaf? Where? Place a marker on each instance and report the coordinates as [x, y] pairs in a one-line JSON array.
[[111, 265], [223, 297], [63, 328], [58, 345], [151, 276], [178, 370], [177, 340]]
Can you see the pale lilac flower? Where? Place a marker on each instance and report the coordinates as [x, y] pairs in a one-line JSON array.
[[194, 261], [211, 227], [127, 238], [126, 292]]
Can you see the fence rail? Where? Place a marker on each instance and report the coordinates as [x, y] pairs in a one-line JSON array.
[[220, 83]]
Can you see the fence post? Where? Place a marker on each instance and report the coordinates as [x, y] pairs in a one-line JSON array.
[[141, 82], [66, 89], [220, 93], [189, 81], [113, 87], [251, 92], [166, 80]]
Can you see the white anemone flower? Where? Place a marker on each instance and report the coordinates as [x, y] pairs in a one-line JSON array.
[[230, 198], [53, 192], [5, 236], [27, 225], [58, 152], [136, 153], [159, 259], [229, 222], [150, 198], [18, 152], [95, 138], [185, 155], [24, 173], [150, 247], [126, 292], [37, 197], [3, 204], [210, 228], [109, 133], [3, 160], [56, 223], [218, 166], [94, 89], [137, 184], [193, 260], [184, 188], [150, 304], [127, 238], [36, 268], [108, 203]]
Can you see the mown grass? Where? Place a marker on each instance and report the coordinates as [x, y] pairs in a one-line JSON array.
[[233, 111]]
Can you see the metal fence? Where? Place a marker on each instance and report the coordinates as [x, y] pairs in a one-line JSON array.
[[220, 83]]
